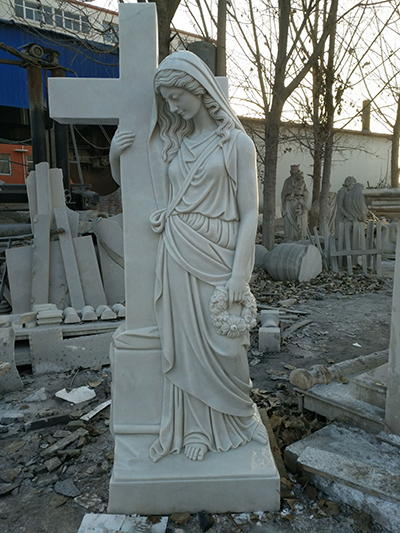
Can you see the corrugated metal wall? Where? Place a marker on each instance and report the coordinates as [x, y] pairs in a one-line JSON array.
[[86, 60]]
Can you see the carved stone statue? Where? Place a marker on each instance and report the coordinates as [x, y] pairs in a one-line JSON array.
[[294, 198], [204, 308], [350, 203]]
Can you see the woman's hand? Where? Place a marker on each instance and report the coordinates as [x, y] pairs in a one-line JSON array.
[[236, 287], [120, 142]]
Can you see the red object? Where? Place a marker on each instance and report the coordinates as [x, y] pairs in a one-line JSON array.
[[15, 163]]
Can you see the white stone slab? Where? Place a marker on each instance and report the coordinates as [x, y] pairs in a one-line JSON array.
[[392, 417], [59, 294], [269, 339], [69, 259], [43, 190], [58, 199], [30, 183], [113, 278], [239, 480], [41, 258], [9, 380], [89, 272], [78, 395], [111, 252], [19, 268], [353, 467], [50, 352], [108, 523]]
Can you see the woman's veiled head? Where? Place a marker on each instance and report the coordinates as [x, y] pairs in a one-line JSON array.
[[173, 126]]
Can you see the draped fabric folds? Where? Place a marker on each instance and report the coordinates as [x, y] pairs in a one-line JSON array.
[[206, 384]]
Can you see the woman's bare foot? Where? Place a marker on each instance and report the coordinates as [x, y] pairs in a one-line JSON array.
[[195, 452], [260, 434]]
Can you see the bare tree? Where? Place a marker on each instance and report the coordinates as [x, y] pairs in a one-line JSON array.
[[165, 10]]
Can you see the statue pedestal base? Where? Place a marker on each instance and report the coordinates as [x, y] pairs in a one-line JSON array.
[[241, 480], [245, 479]]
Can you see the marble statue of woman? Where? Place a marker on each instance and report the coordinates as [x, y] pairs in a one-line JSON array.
[[207, 230], [294, 198]]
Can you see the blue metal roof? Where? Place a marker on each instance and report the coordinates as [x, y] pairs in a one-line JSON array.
[[86, 59]]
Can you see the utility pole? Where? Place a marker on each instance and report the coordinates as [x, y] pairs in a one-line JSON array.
[[221, 39]]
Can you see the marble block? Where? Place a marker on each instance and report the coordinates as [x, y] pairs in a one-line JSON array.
[[269, 339], [245, 479]]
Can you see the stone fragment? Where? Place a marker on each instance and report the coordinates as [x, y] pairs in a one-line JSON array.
[[12, 418], [206, 521], [9, 474], [353, 467], [104, 523], [180, 518], [120, 310], [105, 313], [88, 501], [46, 422], [88, 314], [46, 480], [71, 316], [13, 447], [79, 395], [96, 410], [10, 379], [67, 488], [63, 443], [61, 433], [52, 464], [38, 396], [6, 488], [39, 469], [75, 424], [53, 353]]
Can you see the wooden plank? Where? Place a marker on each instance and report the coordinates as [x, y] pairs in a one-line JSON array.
[[333, 255], [348, 247], [363, 255], [69, 259], [326, 243], [356, 252], [41, 258], [340, 243], [89, 271], [378, 260], [318, 244], [370, 242]]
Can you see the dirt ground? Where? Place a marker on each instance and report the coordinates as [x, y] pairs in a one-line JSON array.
[[52, 497]]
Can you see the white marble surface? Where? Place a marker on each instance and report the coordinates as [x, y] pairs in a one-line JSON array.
[[190, 217], [392, 416], [245, 479]]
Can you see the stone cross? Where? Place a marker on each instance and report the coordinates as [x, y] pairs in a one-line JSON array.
[[127, 101], [392, 415]]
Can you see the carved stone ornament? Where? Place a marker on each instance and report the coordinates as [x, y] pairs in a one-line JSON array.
[[232, 325]]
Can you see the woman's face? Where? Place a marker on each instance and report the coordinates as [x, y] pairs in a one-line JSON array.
[[181, 101]]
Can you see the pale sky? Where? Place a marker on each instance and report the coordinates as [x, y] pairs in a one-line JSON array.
[[182, 20]]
